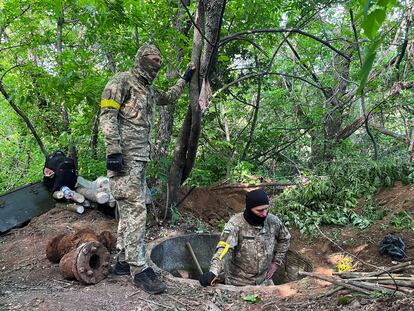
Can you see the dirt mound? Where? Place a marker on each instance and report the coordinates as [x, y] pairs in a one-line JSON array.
[[28, 281], [218, 203], [214, 205]]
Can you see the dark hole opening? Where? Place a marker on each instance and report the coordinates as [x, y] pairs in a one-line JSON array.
[[173, 256], [94, 261]]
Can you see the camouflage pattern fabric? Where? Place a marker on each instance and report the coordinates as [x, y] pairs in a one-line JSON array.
[[129, 188], [127, 117], [127, 110], [245, 252]]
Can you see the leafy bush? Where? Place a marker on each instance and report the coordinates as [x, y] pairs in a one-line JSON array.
[[403, 220], [331, 196]]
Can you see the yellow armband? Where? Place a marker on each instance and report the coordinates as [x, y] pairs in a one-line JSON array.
[[110, 103], [225, 250]]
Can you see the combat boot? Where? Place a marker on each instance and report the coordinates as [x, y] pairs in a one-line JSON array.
[[121, 268], [149, 282]]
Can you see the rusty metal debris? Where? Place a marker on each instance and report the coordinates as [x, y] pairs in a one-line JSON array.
[[89, 263], [83, 255]]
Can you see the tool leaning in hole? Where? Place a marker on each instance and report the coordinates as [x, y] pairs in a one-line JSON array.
[[197, 264]]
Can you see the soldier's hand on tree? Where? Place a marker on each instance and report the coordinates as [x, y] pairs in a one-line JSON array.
[[272, 269], [115, 162], [189, 72], [207, 279]]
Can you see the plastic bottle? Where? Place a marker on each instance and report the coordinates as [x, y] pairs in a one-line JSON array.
[[67, 193]]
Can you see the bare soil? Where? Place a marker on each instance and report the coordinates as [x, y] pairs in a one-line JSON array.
[[28, 281]]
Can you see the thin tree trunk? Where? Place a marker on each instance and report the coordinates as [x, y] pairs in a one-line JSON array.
[[363, 107], [24, 117], [65, 121], [64, 112], [166, 113], [94, 136], [181, 148], [254, 121], [411, 147], [228, 139], [187, 143]]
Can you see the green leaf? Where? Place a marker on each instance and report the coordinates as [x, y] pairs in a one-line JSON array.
[[368, 63], [373, 22], [252, 298]]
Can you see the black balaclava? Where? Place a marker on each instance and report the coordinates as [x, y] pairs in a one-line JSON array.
[[144, 67], [255, 198]]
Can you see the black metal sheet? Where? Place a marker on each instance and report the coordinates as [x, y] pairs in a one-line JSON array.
[[22, 204]]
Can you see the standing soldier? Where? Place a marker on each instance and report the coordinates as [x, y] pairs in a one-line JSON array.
[[256, 241], [127, 113]]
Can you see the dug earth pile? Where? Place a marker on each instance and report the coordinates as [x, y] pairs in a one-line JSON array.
[[28, 281]]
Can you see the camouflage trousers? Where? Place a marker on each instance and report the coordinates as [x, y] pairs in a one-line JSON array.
[[129, 189]]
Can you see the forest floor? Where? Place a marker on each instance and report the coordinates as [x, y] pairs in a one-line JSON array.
[[28, 281]]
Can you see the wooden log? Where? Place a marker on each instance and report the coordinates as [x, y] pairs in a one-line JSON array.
[[387, 277], [399, 267], [401, 289], [93, 195], [336, 281], [71, 207], [332, 291], [396, 282], [375, 287]]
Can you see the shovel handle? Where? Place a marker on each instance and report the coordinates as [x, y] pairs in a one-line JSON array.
[[193, 256]]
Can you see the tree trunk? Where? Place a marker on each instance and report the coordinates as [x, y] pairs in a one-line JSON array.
[[24, 117], [166, 113], [411, 147], [64, 112], [257, 98], [323, 146], [204, 46], [94, 136]]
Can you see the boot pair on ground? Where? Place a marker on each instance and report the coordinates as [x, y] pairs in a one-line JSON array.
[[147, 279]]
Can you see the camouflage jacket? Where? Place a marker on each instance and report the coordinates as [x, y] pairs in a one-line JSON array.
[[245, 252], [127, 114]]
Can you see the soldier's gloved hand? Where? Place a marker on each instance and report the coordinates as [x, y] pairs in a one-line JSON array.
[[115, 162], [207, 278], [189, 73]]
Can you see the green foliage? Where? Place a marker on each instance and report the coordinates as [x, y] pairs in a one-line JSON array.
[[252, 298], [403, 220], [175, 216], [344, 300], [333, 197], [220, 225], [207, 171], [297, 120], [373, 15], [242, 172]]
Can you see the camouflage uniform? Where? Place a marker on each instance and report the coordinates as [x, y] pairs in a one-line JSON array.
[[250, 250], [127, 117]]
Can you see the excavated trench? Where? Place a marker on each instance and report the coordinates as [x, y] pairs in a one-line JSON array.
[[173, 255]]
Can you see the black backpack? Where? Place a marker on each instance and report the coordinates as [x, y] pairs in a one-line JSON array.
[[65, 171]]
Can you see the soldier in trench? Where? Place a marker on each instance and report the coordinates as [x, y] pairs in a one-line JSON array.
[[252, 246], [127, 113]]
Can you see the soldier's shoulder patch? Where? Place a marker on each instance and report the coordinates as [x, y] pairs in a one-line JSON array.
[[227, 230]]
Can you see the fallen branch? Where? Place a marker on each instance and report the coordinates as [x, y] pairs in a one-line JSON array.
[[180, 302], [150, 301], [399, 267], [333, 291], [336, 281], [374, 287], [383, 278], [276, 185]]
